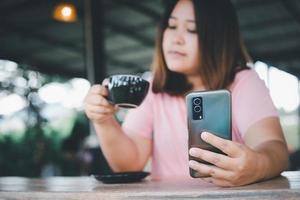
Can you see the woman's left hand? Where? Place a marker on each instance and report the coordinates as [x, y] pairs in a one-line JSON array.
[[240, 166]]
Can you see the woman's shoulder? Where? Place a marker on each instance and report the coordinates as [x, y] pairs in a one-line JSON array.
[[246, 73], [245, 77]]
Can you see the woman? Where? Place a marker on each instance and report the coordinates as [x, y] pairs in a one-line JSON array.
[[198, 48]]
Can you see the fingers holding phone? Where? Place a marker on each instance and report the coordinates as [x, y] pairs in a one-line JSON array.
[[233, 169], [213, 158]]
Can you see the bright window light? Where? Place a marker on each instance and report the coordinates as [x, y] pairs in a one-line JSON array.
[[262, 70], [53, 93], [70, 95], [284, 89], [282, 85], [77, 93], [8, 65], [11, 103]]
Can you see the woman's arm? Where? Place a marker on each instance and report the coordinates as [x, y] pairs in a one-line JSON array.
[[266, 137], [122, 152]]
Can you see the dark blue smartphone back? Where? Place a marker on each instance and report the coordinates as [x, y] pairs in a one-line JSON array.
[[208, 111]]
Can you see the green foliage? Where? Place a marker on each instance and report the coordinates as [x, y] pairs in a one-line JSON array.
[[27, 156]]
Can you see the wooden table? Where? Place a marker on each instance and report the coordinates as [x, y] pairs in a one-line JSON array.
[[286, 186]]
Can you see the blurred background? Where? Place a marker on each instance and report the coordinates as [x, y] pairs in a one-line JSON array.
[[51, 51]]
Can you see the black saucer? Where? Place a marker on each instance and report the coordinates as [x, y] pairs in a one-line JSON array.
[[122, 177]]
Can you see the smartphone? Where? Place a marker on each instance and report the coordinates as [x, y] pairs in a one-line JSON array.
[[207, 111]]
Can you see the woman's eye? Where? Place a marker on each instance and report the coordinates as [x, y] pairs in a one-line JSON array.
[[171, 27], [192, 30]]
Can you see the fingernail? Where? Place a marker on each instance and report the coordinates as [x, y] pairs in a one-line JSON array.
[[192, 151], [204, 135], [192, 163]]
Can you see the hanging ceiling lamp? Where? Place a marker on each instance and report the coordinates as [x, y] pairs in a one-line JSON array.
[[65, 12]]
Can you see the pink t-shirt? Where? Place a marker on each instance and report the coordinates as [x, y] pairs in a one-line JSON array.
[[163, 119]]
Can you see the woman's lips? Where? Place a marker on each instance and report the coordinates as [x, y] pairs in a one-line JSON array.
[[177, 54]]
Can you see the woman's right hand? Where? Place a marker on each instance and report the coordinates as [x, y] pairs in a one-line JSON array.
[[96, 106]]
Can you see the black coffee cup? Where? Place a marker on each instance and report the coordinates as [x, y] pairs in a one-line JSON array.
[[127, 91]]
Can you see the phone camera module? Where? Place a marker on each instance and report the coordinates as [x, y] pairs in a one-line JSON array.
[[197, 108]]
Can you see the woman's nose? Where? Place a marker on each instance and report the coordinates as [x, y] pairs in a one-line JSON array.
[[178, 38]]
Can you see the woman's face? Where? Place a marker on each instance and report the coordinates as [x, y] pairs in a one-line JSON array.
[[180, 40]]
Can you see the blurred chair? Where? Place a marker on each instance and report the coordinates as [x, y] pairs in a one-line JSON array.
[[294, 161]]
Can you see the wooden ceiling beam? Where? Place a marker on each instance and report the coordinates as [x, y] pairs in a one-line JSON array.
[[129, 32], [140, 8], [111, 34], [127, 49], [7, 11], [292, 10], [243, 4], [276, 37], [47, 68], [135, 68], [264, 24], [282, 55], [41, 38]]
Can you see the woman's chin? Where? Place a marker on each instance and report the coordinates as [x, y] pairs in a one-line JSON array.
[[176, 66], [180, 70]]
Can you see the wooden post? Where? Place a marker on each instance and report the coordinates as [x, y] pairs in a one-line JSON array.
[[94, 40], [95, 67], [298, 108]]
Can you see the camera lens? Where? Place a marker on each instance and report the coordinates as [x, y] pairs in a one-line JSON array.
[[197, 108], [197, 101]]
